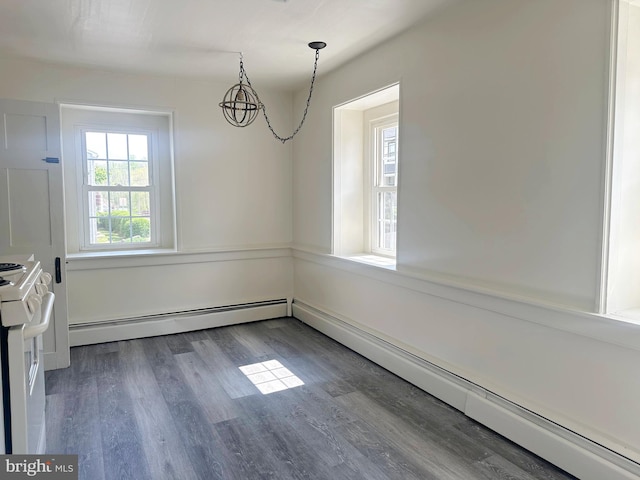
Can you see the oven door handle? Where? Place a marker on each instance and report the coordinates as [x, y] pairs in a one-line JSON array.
[[46, 314]]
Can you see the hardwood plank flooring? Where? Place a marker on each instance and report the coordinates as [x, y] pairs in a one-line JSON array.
[[178, 407]]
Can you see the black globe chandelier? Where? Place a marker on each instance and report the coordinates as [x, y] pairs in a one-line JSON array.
[[241, 104]]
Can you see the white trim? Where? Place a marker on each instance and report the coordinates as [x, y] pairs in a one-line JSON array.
[[115, 107], [51, 360], [351, 172], [377, 97], [606, 328], [607, 174], [336, 182], [178, 322], [158, 123], [115, 259], [562, 447]]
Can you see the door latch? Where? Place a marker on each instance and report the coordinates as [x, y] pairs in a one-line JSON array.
[[58, 271]]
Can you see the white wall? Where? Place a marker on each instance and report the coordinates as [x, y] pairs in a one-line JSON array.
[[503, 122], [232, 194], [624, 265], [502, 142], [126, 288], [503, 117]]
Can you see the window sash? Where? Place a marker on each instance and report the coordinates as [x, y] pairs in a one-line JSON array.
[[132, 224], [386, 221], [383, 198]]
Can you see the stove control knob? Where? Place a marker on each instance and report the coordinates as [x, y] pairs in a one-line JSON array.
[[45, 277], [41, 289], [33, 302]]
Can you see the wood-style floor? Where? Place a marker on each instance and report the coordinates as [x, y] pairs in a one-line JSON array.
[[179, 407]]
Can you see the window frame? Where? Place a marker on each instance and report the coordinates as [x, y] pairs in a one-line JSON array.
[[351, 193], [84, 188], [374, 177], [157, 120]]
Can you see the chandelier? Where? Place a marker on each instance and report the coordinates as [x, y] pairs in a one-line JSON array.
[[241, 104]]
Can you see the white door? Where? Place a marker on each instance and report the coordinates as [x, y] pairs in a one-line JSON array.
[[32, 204]]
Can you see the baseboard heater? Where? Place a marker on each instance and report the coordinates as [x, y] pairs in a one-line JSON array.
[[578, 455], [175, 322]]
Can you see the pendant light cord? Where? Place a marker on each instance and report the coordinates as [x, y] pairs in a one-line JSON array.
[[264, 108]]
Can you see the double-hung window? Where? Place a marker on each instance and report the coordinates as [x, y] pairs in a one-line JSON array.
[[119, 190], [365, 174], [119, 187], [384, 188]]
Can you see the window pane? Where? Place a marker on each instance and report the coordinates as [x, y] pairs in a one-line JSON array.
[[95, 236], [117, 143], [120, 217], [389, 144], [386, 162], [99, 223], [140, 204], [98, 203], [387, 220], [119, 174], [389, 134], [97, 172], [139, 174], [123, 233], [141, 229], [96, 145], [119, 204], [389, 174], [389, 168], [138, 147]]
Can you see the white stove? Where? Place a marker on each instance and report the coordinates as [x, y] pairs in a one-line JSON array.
[[10, 270], [23, 287], [26, 307]]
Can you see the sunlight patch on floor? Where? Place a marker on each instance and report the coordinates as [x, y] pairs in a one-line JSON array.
[[270, 376]]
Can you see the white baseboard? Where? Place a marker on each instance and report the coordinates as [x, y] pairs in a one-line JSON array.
[[573, 453], [151, 326]]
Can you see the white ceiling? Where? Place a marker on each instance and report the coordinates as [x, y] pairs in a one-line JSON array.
[[204, 37]]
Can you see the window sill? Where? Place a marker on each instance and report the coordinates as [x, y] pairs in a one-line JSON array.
[[631, 315], [374, 260], [620, 328], [119, 253]]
